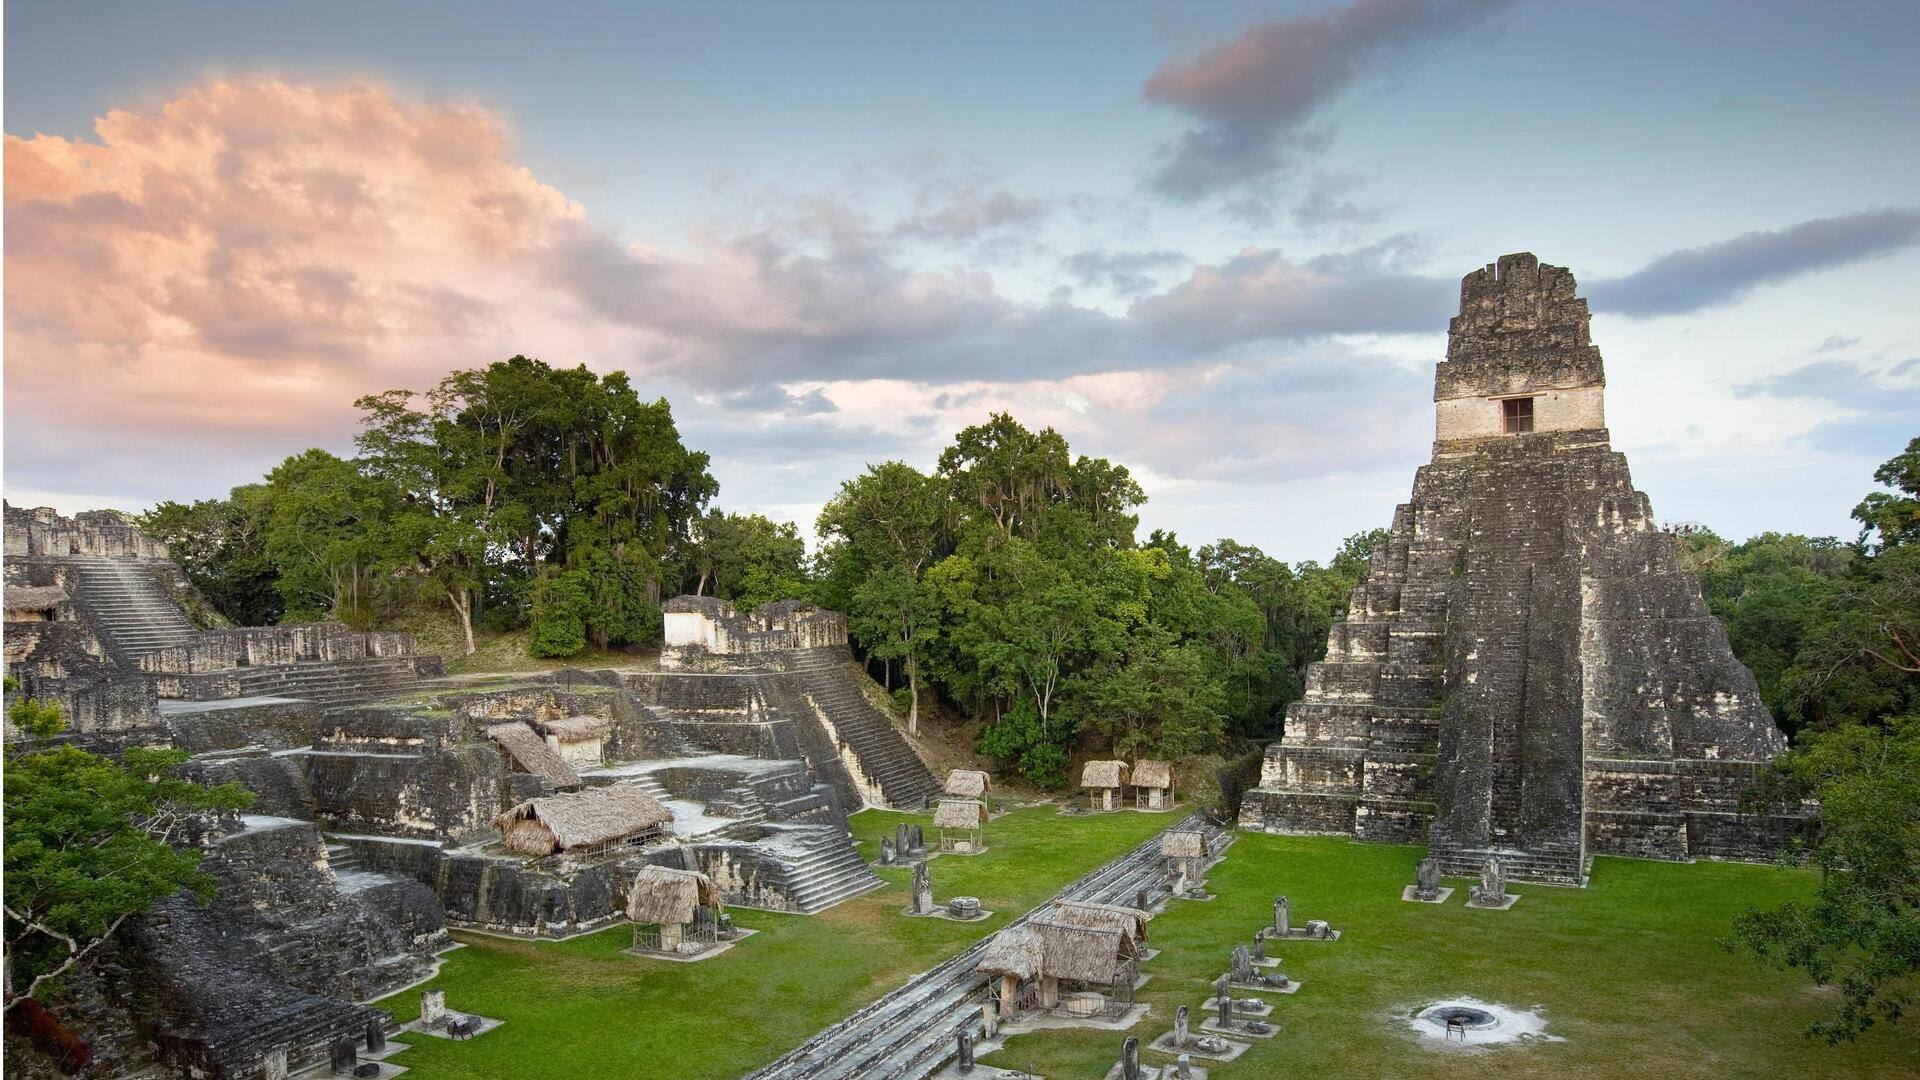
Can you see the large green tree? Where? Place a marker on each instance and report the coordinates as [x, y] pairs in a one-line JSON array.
[[506, 474], [221, 544], [91, 842], [880, 534], [1855, 676]]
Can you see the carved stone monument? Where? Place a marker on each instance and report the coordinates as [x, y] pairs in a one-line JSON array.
[[1260, 944], [1282, 915], [1426, 879], [1492, 890], [888, 853], [964, 1051], [1183, 1067], [902, 840], [923, 889], [1180, 1028], [342, 1057], [433, 1008], [1130, 1059], [376, 1036], [919, 837]]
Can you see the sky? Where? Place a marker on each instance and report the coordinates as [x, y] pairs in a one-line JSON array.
[[1219, 247]]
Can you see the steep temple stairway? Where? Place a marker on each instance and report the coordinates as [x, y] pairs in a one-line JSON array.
[[130, 612], [832, 683]]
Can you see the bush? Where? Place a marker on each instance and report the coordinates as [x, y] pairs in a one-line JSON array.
[[1034, 748], [559, 616]]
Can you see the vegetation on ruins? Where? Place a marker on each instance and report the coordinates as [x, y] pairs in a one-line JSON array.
[[1843, 648], [513, 494], [90, 842], [1012, 580]]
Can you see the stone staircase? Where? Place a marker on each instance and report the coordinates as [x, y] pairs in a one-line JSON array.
[[829, 869], [909, 1033], [328, 684], [306, 1025], [828, 678], [1546, 864], [342, 858], [129, 611]]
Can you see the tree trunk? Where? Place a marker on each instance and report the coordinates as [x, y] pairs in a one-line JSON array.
[[913, 696], [463, 607]]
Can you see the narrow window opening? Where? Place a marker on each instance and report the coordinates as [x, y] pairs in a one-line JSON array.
[[1517, 414]]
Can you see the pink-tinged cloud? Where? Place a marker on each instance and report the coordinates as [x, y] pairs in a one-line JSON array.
[[254, 255], [1257, 97]]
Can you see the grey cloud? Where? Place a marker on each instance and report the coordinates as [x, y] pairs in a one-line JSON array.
[[1725, 272], [1125, 273], [1329, 204], [1883, 401], [1259, 295], [1258, 96]]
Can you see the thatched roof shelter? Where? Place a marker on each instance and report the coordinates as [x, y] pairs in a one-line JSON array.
[[582, 819], [531, 753], [1086, 954], [1128, 920], [668, 896], [960, 814], [1016, 951], [1104, 774], [573, 728], [1186, 844], [967, 783], [1148, 773]]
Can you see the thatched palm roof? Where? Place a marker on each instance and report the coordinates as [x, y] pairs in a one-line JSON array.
[[968, 783], [571, 728], [1104, 774], [665, 895], [1148, 773], [1017, 951], [595, 816], [531, 752], [1082, 953], [1128, 920], [960, 814], [1183, 845]]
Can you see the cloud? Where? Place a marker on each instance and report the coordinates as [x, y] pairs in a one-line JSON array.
[[1878, 403], [252, 256], [1726, 272], [1124, 273], [1258, 97], [1329, 205], [1261, 296]]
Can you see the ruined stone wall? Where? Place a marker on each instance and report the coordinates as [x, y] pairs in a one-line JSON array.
[[43, 531], [276, 960]]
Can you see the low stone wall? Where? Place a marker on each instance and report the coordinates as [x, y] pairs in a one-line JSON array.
[[268, 646]]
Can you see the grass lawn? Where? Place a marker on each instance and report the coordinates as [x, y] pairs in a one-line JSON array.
[[582, 1008], [1627, 972]]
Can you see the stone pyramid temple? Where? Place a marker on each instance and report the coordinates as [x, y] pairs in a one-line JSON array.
[[1526, 672]]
